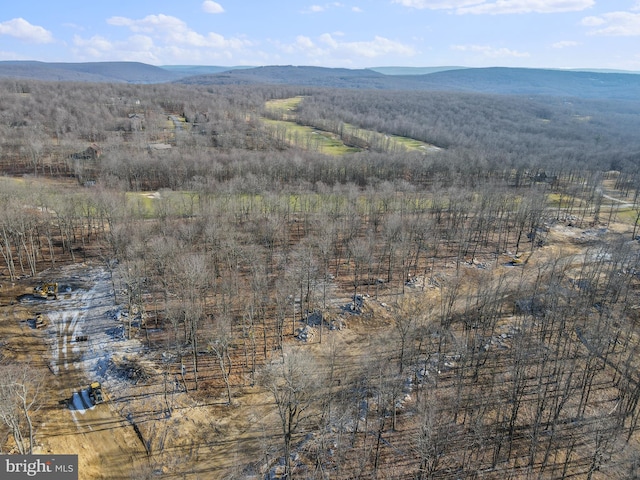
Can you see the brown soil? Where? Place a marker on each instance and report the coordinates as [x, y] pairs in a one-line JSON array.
[[132, 433], [148, 425]]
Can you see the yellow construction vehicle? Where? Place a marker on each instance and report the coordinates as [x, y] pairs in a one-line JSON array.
[[40, 321], [95, 393], [519, 259], [46, 290]]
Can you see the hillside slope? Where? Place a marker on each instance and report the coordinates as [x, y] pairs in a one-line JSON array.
[[495, 80], [116, 72], [498, 80]]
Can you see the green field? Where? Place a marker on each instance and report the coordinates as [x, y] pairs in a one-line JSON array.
[[311, 138], [284, 104], [308, 138]]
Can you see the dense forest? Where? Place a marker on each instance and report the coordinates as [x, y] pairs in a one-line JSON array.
[[462, 311], [223, 138]]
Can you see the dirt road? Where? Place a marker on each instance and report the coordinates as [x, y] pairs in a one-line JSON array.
[[82, 335], [84, 340]]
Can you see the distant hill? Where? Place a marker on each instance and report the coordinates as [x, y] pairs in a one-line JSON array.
[[498, 80], [604, 70], [189, 70], [116, 72], [192, 70], [412, 70], [294, 75], [530, 81]]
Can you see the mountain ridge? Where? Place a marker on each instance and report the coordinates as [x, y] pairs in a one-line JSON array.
[[491, 80], [116, 72]]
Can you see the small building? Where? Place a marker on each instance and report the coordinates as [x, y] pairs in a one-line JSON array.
[[85, 165], [93, 152]]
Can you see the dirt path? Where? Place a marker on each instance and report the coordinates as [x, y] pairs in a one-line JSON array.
[[81, 336], [85, 341]]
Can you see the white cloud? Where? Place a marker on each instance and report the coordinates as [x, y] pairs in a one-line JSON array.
[[565, 44], [171, 30], [303, 45], [23, 30], [212, 7], [377, 47], [328, 40], [94, 48], [73, 26], [323, 8], [489, 52], [356, 9], [150, 23], [330, 47], [615, 24], [161, 39], [592, 21], [137, 48], [96, 43], [303, 42], [12, 56], [500, 6], [437, 4], [527, 6], [142, 48]]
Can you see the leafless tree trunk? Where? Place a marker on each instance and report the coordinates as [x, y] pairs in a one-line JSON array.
[[219, 344], [293, 384], [19, 400]]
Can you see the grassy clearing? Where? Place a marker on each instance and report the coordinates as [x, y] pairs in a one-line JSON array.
[[554, 199], [148, 205], [284, 104], [388, 142], [412, 144], [142, 203], [310, 138], [11, 182], [166, 202], [627, 215]]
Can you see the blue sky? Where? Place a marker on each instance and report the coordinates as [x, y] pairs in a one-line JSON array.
[[347, 33]]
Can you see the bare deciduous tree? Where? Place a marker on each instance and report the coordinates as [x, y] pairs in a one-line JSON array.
[[293, 383], [19, 400], [220, 345]]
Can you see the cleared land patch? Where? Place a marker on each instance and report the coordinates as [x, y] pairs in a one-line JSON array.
[[349, 139]]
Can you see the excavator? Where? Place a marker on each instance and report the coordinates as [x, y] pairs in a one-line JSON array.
[[46, 290]]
